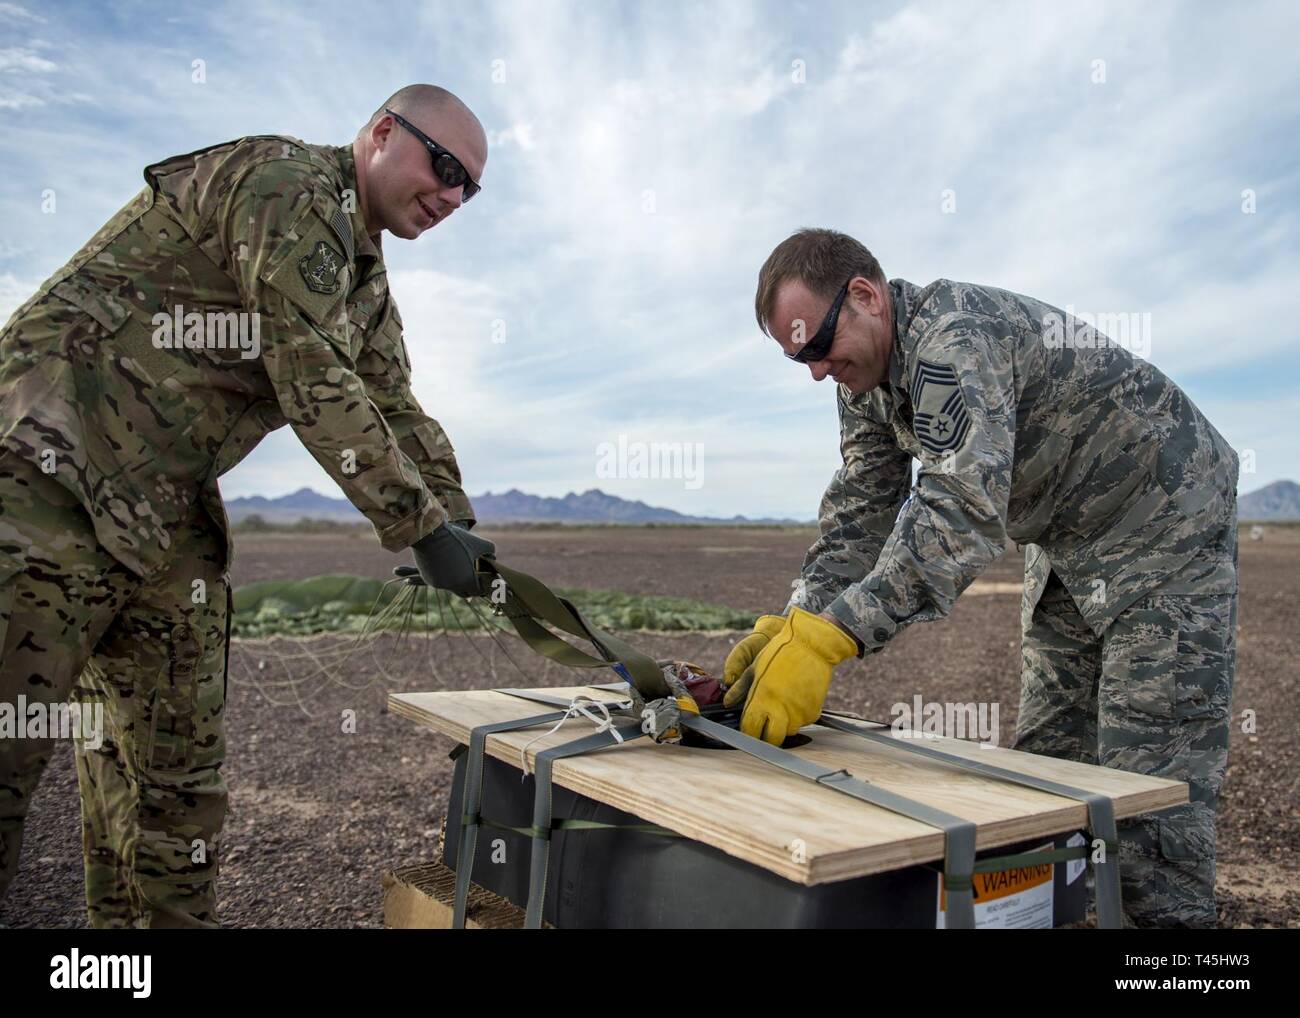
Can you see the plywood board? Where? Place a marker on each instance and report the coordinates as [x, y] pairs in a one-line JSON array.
[[786, 824]]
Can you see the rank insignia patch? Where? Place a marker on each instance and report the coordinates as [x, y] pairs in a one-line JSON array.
[[939, 415], [320, 269]]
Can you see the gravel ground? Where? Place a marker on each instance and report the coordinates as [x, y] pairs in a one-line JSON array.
[[316, 814]]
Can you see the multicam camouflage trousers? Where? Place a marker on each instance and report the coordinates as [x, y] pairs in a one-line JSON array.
[[76, 626], [1152, 694]]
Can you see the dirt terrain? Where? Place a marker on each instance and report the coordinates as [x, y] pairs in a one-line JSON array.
[[317, 814]]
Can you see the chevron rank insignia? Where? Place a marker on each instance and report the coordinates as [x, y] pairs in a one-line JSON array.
[[939, 415]]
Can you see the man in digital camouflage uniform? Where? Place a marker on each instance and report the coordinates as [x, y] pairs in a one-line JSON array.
[[114, 545], [1025, 425]]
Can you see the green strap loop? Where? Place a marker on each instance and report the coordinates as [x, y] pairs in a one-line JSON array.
[[596, 825], [567, 824], [529, 600], [1043, 858]]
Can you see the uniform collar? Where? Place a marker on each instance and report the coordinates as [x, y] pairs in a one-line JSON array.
[[364, 244], [901, 297]]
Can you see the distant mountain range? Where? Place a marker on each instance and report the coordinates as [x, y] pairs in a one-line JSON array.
[[1273, 502], [511, 506]]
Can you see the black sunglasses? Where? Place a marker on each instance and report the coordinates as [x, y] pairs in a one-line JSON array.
[[819, 346], [446, 166]]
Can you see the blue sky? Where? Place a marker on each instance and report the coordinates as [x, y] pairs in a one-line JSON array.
[[645, 158]]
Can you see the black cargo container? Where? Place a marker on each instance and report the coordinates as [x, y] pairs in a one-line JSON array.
[[632, 879]]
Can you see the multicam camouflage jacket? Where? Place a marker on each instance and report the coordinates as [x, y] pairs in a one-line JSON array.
[[237, 292], [1077, 447]]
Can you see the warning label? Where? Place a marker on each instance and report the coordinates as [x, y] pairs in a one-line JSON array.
[[1012, 899]]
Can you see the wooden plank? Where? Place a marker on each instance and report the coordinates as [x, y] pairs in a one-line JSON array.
[[784, 823]]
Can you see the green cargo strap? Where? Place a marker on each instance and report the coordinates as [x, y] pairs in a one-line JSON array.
[[471, 800], [528, 600], [573, 824], [959, 834], [1038, 858], [542, 767], [995, 864], [1101, 808]]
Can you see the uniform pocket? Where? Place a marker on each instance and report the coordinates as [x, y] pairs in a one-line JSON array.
[[1103, 494], [110, 354], [101, 305], [1187, 837], [383, 361], [173, 702], [1141, 659]]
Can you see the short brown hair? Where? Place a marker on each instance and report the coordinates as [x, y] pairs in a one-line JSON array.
[[821, 259]]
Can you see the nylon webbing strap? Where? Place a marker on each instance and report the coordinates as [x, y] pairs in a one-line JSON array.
[[1101, 808], [471, 800], [1011, 862], [528, 600], [543, 764], [574, 824], [538, 696], [959, 834]]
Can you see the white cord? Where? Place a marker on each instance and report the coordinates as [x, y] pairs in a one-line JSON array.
[[604, 723]]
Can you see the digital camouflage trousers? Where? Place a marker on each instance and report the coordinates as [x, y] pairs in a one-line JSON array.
[[1152, 694]]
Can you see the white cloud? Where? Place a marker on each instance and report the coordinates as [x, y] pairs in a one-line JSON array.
[[515, 134], [645, 160], [13, 58], [17, 13]]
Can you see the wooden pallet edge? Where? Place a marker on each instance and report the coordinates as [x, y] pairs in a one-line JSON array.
[[421, 896]]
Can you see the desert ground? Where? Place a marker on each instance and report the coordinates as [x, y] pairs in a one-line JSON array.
[[317, 814]]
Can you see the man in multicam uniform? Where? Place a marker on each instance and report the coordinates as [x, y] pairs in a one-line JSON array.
[[1029, 426], [114, 544]]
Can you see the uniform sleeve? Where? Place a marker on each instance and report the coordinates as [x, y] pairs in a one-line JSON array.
[[857, 512], [385, 369], [954, 523], [291, 270]]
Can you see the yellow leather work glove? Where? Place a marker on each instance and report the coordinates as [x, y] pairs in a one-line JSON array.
[[747, 650], [792, 675]]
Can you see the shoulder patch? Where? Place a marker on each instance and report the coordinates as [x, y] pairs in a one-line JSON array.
[[320, 269], [939, 415], [342, 227]]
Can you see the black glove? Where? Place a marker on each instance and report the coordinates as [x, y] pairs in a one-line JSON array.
[[448, 559]]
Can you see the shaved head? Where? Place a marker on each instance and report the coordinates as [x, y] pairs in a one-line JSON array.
[[399, 189], [416, 101]]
